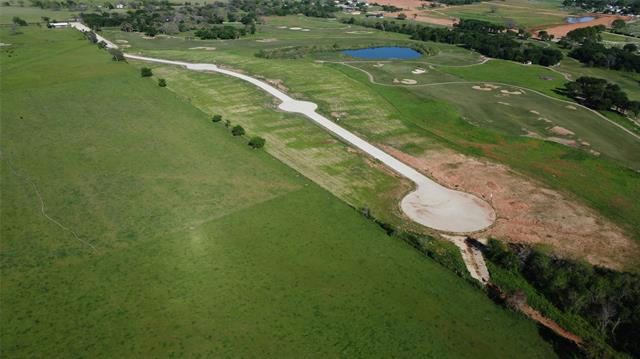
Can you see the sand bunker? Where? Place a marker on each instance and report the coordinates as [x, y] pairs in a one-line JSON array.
[[124, 46], [511, 92], [534, 112], [561, 131], [122, 41], [571, 107], [305, 30], [147, 37], [282, 27], [295, 28], [267, 40], [418, 71], [359, 32], [378, 65], [562, 141], [504, 103], [480, 88], [3, 44], [409, 81], [202, 48], [492, 86]]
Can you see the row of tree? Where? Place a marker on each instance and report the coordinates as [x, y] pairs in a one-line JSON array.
[[599, 94], [489, 39], [597, 55], [623, 6], [237, 130], [225, 32], [607, 299]]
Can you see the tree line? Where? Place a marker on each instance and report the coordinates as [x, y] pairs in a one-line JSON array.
[[489, 39], [599, 94], [608, 300], [586, 47]]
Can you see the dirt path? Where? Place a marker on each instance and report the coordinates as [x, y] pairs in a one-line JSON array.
[[473, 259], [431, 204]]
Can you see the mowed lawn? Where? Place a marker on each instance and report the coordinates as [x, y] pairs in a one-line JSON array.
[[203, 247]]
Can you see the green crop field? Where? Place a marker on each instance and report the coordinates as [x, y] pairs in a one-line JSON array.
[[133, 226]]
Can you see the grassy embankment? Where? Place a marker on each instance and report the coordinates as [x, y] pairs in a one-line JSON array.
[[203, 246]]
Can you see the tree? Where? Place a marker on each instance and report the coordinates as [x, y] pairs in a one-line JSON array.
[[146, 72], [402, 16], [257, 142], [618, 24], [630, 48], [227, 123], [237, 130], [117, 55], [216, 118], [544, 36], [162, 83], [19, 21]]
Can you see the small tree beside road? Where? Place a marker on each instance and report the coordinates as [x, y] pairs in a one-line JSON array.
[[237, 130], [257, 142], [146, 72]]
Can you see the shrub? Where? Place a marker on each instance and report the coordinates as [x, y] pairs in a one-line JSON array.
[[162, 83], [257, 142], [117, 55], [146, 72], [237, 130], [18, 21], [216, 118]]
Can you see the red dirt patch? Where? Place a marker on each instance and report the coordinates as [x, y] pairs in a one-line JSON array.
[[606, 20], [411, 8], [528, 212]]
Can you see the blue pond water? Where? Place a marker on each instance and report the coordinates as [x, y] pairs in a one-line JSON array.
[[579, 20], [379, 53]]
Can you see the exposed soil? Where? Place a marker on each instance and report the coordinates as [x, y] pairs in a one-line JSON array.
[[411, 8], [527, 212], [606, 20], [561, 131]]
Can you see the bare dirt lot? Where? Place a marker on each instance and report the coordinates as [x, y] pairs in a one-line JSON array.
[[562, 30], [411, 8], [527, 212]]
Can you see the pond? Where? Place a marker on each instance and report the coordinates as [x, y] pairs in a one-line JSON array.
[[380, 53], [579, 20]]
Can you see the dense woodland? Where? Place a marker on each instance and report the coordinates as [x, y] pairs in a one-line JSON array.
[[608, 300], [489, 39]]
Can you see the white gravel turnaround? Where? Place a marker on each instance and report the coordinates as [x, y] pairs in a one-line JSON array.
[[431, 204]]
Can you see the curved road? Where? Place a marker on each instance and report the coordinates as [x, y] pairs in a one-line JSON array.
[[430, 204]]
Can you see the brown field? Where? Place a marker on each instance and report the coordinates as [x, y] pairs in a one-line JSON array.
[[411, 8], [562, 30]]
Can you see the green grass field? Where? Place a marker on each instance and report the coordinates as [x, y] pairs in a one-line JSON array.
[[417, 119], [33, 14], [527, 14], [203, 247]]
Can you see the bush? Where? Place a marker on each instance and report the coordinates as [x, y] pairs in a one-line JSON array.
[[257, 142], [146, 72], [18, 21], [216, 118], [117, 55], [237, 130], [162, 83]]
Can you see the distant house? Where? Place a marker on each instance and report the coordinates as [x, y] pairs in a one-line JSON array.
[[120, 6]]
